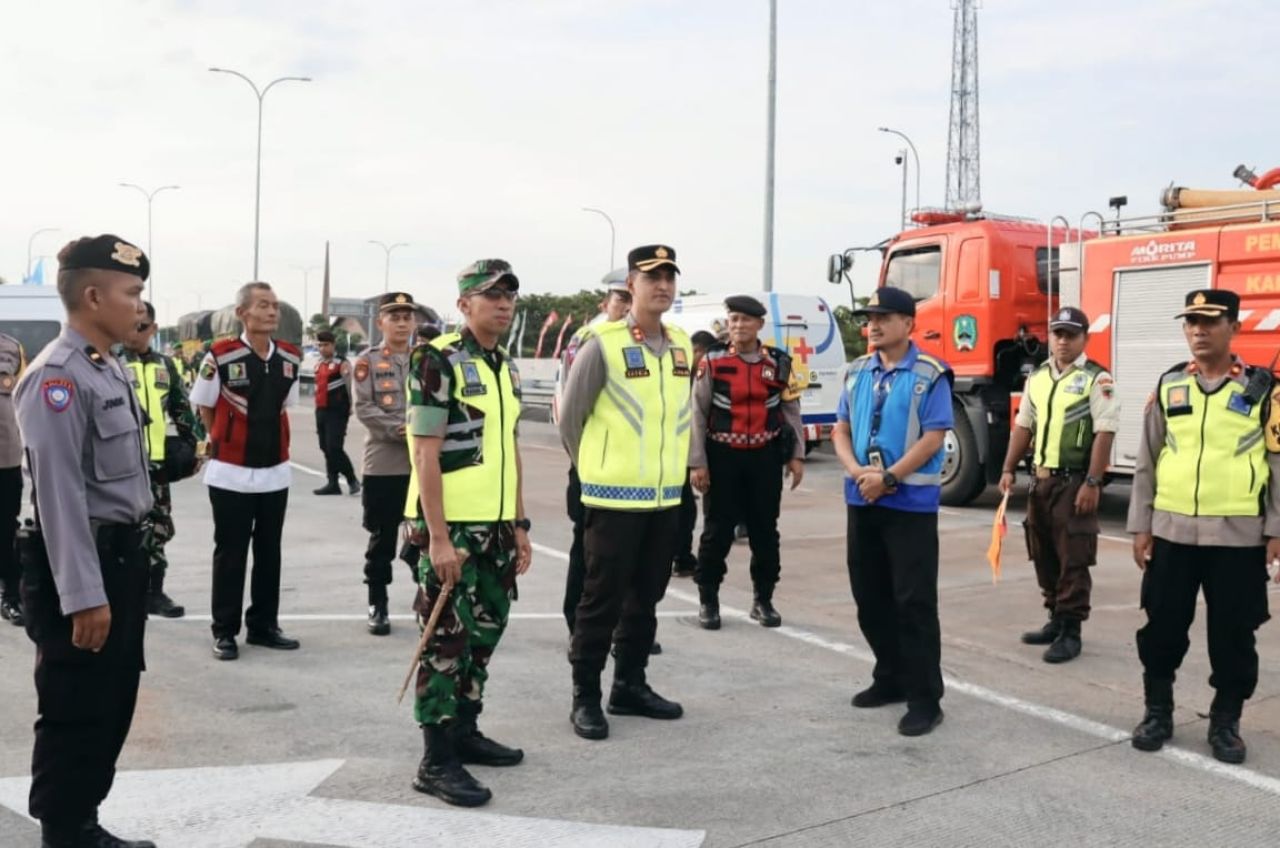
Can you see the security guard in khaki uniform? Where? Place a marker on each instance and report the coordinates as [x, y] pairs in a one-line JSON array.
[[1070, 412], [85, 563], [380, 405], [625, 421], [12, 362], [1205, 512]]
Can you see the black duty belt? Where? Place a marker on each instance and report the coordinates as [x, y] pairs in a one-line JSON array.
[[1046, 473]]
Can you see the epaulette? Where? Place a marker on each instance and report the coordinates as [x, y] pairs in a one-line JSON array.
[[288, 347], [222, 346], [58, 356]]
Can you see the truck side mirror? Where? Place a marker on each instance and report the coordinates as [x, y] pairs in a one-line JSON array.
[[837, 264]]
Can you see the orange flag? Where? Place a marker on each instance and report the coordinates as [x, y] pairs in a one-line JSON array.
[[999, 528]]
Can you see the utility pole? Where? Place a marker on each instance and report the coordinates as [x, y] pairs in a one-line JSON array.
[[964, 182], [769, 145]]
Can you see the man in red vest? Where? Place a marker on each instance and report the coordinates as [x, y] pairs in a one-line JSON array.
[[243, 391], [746, 428], [333, 410]]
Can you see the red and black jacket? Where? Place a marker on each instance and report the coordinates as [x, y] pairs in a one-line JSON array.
[[746, 397], [250, 426], [332, 391]]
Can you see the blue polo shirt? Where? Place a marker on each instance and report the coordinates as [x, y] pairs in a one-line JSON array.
[[876, 403]]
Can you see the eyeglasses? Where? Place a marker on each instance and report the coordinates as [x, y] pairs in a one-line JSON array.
[[498, 294]]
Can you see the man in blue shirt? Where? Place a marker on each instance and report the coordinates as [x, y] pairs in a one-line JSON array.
[[894, 412]]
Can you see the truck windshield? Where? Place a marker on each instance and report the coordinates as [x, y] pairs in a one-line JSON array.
[[917, 270], [33, 335]]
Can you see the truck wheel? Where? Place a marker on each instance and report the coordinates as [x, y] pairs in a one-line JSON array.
[[962, 477]]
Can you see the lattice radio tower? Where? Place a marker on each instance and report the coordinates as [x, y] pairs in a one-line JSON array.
[[964, 182]]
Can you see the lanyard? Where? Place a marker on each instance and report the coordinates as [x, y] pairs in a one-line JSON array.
[[883, 385]]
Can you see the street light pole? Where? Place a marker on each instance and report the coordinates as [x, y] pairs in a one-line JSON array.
[[30, 243], [769, 146], [386, 279], [915, 154], [306, 290], [257, 180], [149, 195], [902, 160], [613, 233]]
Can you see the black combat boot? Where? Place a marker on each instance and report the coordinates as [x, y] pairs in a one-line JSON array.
[[330, 488], [440, 774], [708, 608], [878, 694], [353, 485], [587, 718], [379, 620], [473, 746], [158, 603], [1045, 635], [1224, 729], [1067, 646], [631, 695], [1157, 722], [921, 718], [763, 612], [11, 610], [94, 835]]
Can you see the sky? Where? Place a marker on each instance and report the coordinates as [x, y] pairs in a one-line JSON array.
[[480, 129]]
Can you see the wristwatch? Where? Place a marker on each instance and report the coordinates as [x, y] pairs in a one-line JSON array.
[[890, 479], [523, 524], [1092, 482]]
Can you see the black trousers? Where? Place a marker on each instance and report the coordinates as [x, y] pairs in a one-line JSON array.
[[241, 518], [893, 570], [10, 506], [383, 499], [1235, 596], [628, 566], [684, 534], [577, 572], [746, 485], [331, 428], [85, 700]]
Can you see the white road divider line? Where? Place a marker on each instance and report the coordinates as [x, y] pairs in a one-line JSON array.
[[305, 469], [351, 616]]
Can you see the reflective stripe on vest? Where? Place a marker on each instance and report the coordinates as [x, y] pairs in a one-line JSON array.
[[1064, 419], [634, 452], [1213, 461], [486, 490], [151, 384], [900, 414]]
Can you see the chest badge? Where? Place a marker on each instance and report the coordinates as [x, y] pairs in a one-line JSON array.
[[680, 362], [767, 373], [235, 371], [1239, 402], [633, 360], [288, 370], [471, 383], [1177, 400]]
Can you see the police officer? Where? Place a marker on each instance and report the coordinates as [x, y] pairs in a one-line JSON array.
[[685, 563], [244, 390], [333, 410], [85, 563], [1070, 411], [162, 398], [1205, 512], [12, 362], [630, 444], [892, 418], [464, 405], [746, 428], [380, 375]]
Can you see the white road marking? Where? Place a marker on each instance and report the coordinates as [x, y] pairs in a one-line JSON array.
[[351, 616], [232, 806], [305, 469], [1191, 759]]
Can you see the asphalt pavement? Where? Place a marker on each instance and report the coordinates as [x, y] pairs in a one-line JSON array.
[[310, 748]]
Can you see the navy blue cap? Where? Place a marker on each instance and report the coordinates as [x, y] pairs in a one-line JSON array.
[[1069, 318], [887, 300]]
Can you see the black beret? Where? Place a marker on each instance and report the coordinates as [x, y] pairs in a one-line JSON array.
[[745, 304], [1212, 303], [105, 253], [326, 336], [652, 256]]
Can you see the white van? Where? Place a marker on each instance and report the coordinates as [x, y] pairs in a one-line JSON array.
[[31, 314], [801, 324]]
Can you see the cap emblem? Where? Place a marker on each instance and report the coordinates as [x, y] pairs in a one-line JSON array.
[[661, 252], [1199, 299], [400, 298], [127, 254]]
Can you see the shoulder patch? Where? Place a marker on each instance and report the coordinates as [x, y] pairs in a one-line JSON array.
[[58, 392], [362, 369]]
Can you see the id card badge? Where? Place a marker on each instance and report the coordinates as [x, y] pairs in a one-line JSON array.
[[876, 458]]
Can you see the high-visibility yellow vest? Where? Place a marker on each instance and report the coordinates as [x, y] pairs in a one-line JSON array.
[[1213, 461], [634, 453], [152, 381], [478, 453], [1064, 421]]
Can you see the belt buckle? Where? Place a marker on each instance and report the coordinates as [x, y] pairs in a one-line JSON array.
[[1043, 473]]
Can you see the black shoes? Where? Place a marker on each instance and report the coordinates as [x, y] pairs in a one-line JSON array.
[[441, 774], [472, 746], [763, 612], [1045, 635], [273, 638], [224, 648], [1156, 726], [158, 603], [11, 611], [1066, 646], [330, 488], [921, 718], [709, 613], [683, 567], [631, 695], [586, 717], [1224, 738], [878, 695], [353, 485], [379, 621], [92, 835]]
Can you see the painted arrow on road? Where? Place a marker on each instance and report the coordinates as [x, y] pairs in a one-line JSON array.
[[230, 807]]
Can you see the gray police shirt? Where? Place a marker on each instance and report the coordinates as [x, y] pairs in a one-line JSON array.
[[81, 426], [381, 405]]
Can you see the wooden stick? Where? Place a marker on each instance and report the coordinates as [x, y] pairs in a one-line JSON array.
[[441, 600]]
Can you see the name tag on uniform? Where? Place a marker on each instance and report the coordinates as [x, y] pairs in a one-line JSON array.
[[1076, 386], [471, 384], [288, 370], [236, 375], [1240, 403], [1177, 400], [112, 403], [633, 359], [162, 378], [679, 362]]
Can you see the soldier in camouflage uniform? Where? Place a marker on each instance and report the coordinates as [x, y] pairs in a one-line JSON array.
[[464, 402], [162, 397]]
